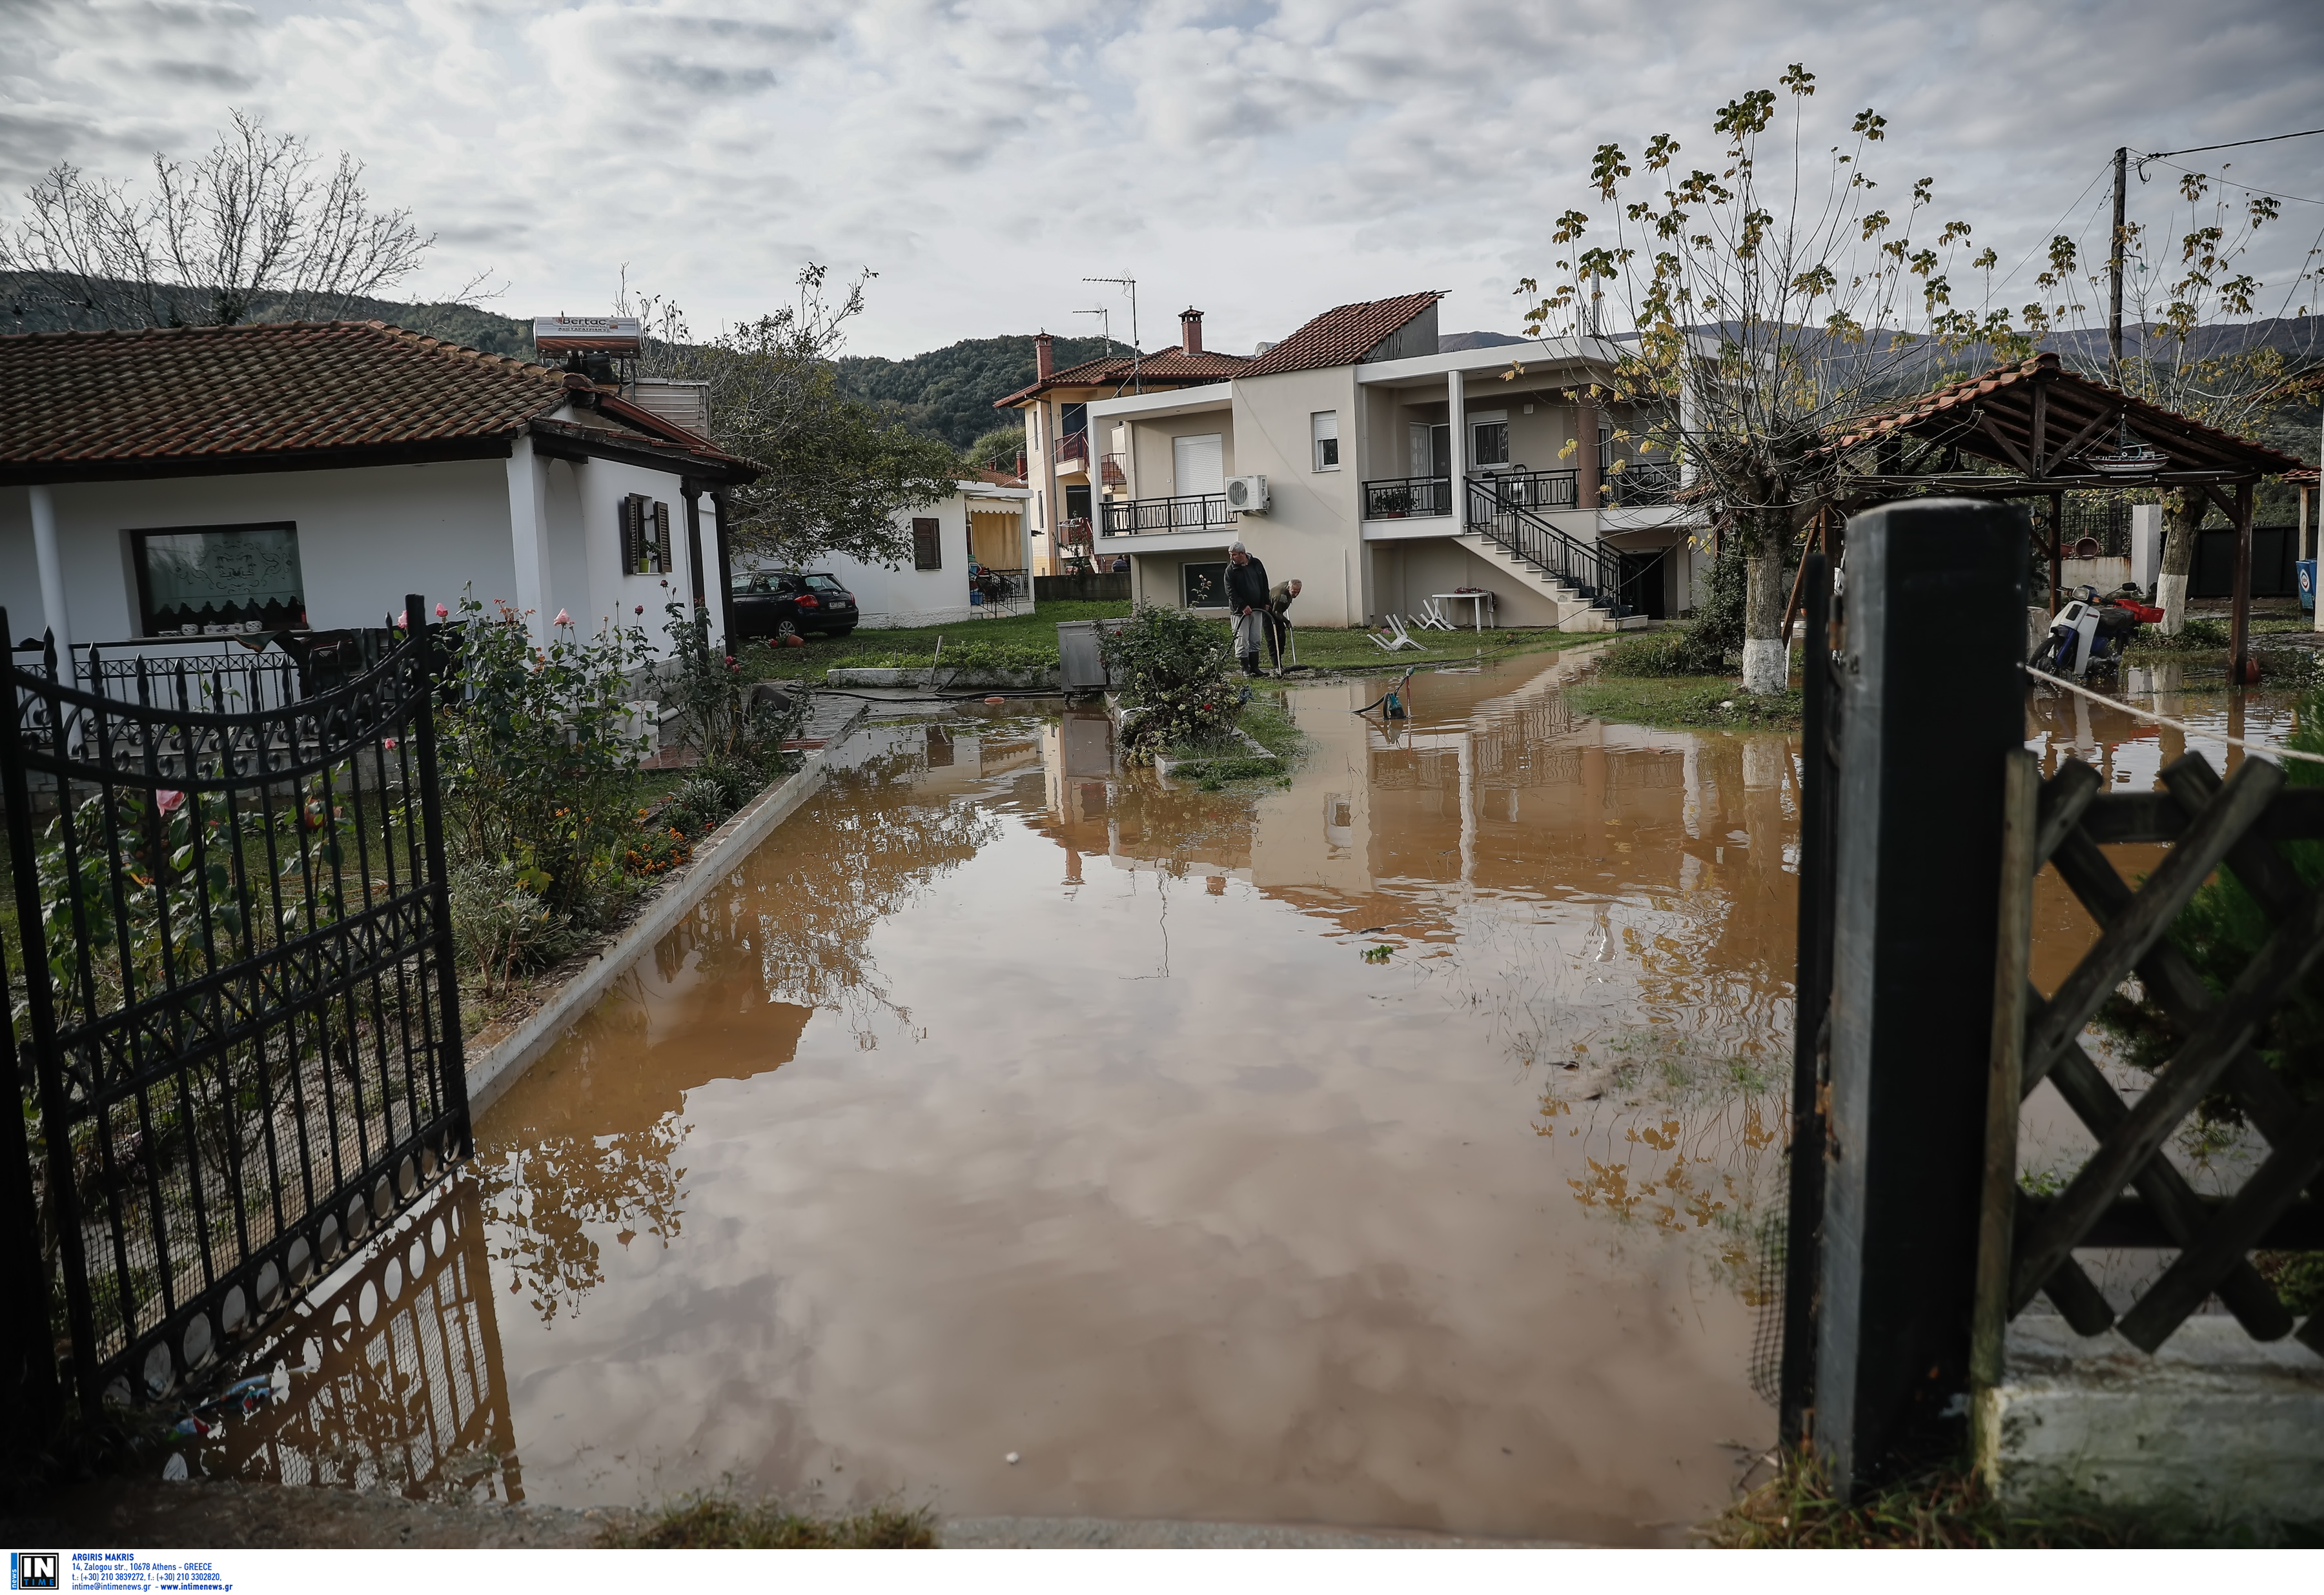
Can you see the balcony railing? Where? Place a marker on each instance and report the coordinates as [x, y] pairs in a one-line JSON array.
[[1407, 495], [1200, 511], [1639, 486], [1116, 474], [1072, 446], [1533, 490], [1074, 532]]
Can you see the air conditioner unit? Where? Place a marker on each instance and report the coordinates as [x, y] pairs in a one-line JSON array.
[[1246, 494]]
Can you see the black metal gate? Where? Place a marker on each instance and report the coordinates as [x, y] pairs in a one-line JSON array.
[[244, 1031]]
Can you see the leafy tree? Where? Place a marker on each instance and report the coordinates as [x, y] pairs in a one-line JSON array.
[[838, 470], [250, 225], [1760, 300], [997, 450]]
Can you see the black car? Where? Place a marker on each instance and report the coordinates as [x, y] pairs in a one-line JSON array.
[[784, 602]]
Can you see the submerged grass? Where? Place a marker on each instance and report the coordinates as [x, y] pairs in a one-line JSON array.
[[1016, 641], [718, 1521]]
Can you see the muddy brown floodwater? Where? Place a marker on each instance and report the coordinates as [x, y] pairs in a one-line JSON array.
[[1399, 1147]]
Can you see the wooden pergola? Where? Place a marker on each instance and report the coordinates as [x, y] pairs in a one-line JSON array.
[[2051, 433]]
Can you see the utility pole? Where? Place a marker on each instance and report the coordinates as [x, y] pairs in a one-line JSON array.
[[1137, 351], [2113, 265]]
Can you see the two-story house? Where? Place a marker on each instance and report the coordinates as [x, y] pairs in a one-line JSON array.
[[1067, 468], [1385, 473]]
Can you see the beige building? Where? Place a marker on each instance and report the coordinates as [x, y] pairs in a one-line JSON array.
[[1068, 468], [1388, 476]]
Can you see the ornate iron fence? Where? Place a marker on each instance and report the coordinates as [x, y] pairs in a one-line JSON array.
[[244, 1017]]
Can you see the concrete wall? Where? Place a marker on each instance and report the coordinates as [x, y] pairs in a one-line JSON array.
[[1310, 529], [1407, 571], [1153, 472]]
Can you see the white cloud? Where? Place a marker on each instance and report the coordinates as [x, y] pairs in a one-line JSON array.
[[1263, 161]]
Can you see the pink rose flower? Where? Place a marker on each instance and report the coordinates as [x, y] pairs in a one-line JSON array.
[[442, 613], [563, 619], [403, 619], [169, 802]]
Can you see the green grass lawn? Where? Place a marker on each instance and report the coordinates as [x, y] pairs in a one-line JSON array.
[[917, 645], [1015, 640]]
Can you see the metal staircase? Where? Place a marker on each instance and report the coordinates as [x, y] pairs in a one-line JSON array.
[[1584, 573]]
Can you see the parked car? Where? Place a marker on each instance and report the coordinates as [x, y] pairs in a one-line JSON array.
[[786, 603]]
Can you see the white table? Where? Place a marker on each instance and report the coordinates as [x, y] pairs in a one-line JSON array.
[[1479, 604]]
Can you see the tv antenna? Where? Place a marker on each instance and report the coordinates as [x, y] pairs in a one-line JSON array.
[[1104, 325], [1128, 283]]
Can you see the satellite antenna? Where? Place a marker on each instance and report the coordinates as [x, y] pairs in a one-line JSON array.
[[1137, 380]]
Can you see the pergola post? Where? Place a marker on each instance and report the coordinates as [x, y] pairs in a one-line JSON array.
[[2057, 550], [2239, 628]]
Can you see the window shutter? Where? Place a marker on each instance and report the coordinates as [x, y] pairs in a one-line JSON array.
[[633, 531], [661, 537], [927, 543]]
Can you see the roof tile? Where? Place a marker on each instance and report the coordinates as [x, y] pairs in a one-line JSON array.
[[198, 394], [1339, 336]]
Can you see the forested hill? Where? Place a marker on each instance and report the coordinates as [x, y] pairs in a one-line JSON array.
[[948, 393]]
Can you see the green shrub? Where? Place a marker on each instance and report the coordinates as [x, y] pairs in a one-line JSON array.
[[1172, 667], [538, 753], [499, 928]]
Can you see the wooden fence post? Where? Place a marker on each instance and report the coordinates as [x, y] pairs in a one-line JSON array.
[[1932, 705]]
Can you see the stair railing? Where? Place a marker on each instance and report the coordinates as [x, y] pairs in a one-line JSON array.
[[1589, 567]]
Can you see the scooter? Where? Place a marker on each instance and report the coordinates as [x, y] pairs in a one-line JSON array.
[[2087, 634]]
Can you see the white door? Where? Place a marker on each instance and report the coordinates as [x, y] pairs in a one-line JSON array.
[[1199, 464]]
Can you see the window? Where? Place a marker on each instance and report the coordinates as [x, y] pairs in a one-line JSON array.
[[1078, 503], [219, 578], [1204, 586], [645, 536], [1489, 438], [927, 543], [1072, 418], [1324, 424], [820, 583]]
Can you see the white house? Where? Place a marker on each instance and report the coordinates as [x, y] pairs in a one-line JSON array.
[[971, 558], [1387, 472], [177, 482]]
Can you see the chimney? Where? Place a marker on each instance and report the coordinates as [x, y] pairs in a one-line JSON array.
[[1045, 357], [1190, 331]]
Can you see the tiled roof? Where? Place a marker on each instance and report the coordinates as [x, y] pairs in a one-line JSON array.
[[1171, 365], [213, 397], [2074, 402], [1341, 336]]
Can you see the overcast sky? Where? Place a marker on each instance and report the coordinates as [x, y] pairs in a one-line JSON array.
[[1260, 161]]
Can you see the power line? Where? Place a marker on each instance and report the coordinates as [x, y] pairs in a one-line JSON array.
[[2201, 148], [2225, 182]]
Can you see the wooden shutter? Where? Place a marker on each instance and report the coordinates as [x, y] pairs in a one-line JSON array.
[[661, 537], [632, 532], [927, 543]]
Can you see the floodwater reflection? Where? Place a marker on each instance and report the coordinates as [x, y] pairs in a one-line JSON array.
[[1385, 1148], [1398, 1145]]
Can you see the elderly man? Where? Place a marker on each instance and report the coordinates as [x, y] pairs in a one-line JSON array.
[[1247, 601], [1279, 618]]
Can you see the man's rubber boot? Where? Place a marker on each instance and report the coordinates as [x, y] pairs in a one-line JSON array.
[[1250, 664]]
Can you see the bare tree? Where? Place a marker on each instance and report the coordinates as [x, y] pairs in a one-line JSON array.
[[1754, 304], [837, 469], [252, 227]]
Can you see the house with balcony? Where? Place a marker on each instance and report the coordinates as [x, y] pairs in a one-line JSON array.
[[1068, 468], [1390, 474]]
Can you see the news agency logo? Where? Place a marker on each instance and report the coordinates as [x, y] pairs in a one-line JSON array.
[[33, 1570]]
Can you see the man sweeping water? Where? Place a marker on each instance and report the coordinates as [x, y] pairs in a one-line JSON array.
[[1248, 602]]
